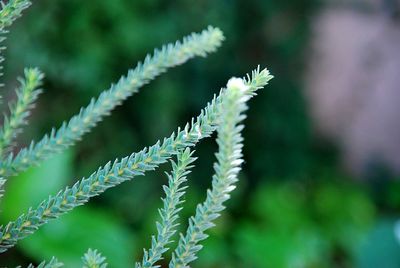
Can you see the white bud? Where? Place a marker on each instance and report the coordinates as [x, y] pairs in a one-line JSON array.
[[237, 83]]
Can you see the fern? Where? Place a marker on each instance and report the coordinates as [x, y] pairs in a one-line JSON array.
[[169, 213], [27, 94], [58, 140], [93, 259], [9, 12], [115, 173], [223, 114], [53, 263], [226, 169]]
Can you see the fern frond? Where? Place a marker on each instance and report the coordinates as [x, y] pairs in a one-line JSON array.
[[27, 94], [93, 259], [53, 263], [171, 206], [169, 56], [227, 167], [114, 174], [106, 177], [9, 12]]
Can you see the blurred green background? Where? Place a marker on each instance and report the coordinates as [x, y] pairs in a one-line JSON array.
[[294, 206]]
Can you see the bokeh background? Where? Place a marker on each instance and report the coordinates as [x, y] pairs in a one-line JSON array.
[[320, 186]]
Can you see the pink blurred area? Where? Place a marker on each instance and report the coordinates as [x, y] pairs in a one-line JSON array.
[[353, 83]]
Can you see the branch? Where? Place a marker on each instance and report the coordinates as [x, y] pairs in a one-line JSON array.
[[171, 206], [53, 263], [121, 170], [93, 259], [227, 167], [27, 94], [58, 140], [9, 12]]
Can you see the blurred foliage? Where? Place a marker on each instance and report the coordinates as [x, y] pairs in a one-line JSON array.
[[293, 208], [381, 249], [299, 225], [91, 227]]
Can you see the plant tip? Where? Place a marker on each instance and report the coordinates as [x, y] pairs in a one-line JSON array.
[[237, 84]]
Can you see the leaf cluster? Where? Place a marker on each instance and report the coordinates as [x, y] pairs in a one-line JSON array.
[[223, 114]]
